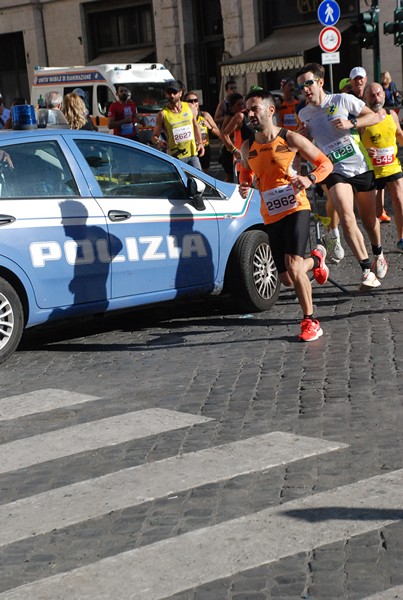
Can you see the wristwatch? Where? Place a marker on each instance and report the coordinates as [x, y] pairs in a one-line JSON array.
[[353, 121], [312, 177]]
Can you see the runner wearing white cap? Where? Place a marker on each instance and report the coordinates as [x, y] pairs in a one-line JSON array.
[[358, 81]]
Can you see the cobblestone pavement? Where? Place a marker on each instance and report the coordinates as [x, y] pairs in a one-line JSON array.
[[227, 378]]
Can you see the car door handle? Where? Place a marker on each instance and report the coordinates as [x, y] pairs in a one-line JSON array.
[[6, 219], [118, 215]]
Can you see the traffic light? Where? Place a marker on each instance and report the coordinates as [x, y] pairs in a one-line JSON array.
[[396, 27], [368, 28]]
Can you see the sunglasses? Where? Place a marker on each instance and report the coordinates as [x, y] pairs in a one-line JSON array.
[[307, 83], [193, 100]]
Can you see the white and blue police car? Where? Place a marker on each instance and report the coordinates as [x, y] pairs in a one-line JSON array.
[[91, 222]]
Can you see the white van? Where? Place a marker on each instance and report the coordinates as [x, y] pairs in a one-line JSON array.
[[146, 82]]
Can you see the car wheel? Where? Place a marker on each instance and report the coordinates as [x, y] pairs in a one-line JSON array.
[[11, 320], [254, 282]]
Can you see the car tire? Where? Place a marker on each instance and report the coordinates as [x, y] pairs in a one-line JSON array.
[[11, 320], [254, 282]]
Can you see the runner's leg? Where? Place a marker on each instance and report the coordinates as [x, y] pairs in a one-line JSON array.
[[395, 189], [366, 204], [342, 196]]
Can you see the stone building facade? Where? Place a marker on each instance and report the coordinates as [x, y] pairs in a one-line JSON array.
[[202, 42]]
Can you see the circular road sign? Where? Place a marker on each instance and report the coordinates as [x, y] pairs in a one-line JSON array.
[[328, 12], [330, 39]]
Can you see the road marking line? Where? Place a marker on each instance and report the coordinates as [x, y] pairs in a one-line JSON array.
[[392, 594], [39, 401], [195, 558], [91, 436], [129, 487]]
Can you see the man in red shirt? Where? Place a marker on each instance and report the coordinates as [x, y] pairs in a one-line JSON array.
[[122, 114]]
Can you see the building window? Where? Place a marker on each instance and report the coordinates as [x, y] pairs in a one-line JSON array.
[[211, 18], [121, 28]]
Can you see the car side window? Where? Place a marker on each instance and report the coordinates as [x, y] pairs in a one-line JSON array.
[[124, 171], [210, 192], [36, 170]]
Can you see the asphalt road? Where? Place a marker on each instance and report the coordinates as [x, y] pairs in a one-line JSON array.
[[190, 452]]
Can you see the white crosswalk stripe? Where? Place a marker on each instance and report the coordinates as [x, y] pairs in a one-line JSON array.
[[223, 550], [129, 487], [39, 401], [90, 436], [200, 556], [395, 593]]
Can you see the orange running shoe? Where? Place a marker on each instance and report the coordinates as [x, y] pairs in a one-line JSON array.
[[321, 273], [310, 330], [384, 218]]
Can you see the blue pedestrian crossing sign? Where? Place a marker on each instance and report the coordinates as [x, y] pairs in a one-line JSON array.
[[328, 12]]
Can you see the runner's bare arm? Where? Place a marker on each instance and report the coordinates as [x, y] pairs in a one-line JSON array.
[[246, 174], [323, 166], [399, 131], [198, 137], [211, 124], [228, 129], [219, 114], [155, 138], [366, 118]]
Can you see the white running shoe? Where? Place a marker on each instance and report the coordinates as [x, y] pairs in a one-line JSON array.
[[380, 266], [334, 248], [369, 281]]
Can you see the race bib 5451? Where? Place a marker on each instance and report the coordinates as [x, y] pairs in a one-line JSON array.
[[384, 156]]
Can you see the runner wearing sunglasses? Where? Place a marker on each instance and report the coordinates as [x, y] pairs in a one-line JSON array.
[[331, 120], [207, 126]]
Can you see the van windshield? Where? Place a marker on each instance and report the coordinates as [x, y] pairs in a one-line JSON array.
[[149, 97]]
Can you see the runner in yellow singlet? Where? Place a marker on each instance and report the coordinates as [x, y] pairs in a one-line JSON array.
[[381, 143], [177, 121], [285, 207], [207, 126]]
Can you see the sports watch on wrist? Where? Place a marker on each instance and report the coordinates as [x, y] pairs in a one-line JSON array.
[[353, 120], [312, 177]]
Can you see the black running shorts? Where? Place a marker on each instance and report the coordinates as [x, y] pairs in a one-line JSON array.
[[381, 182], [364, 182], [206, 158], [227, 161], [289, 236]]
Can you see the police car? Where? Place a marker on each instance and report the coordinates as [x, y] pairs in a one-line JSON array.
[[91, 222]]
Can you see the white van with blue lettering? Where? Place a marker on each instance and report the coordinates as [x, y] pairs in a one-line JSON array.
[[146, 82], [91, 223]]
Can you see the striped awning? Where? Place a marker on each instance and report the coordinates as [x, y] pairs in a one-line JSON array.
[[281, 51]]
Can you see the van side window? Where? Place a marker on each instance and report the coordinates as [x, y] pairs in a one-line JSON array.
[[105, 98], [124, 171]]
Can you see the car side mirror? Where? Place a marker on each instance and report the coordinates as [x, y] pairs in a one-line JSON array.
[[195, 189]]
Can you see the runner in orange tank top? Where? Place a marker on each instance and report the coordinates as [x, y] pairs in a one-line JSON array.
[[285, 207]]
